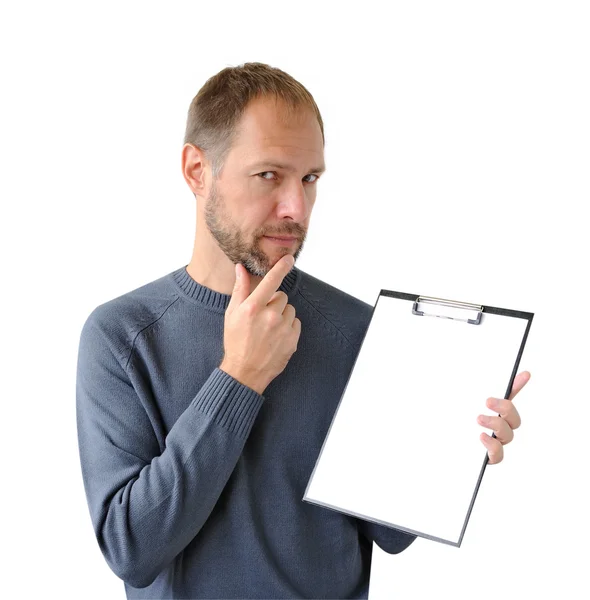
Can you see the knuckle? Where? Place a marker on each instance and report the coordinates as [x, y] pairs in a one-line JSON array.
[[249, 309], [279, 295], [505, 431], [273, 318]]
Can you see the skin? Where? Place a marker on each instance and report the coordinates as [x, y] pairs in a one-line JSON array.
[[247, 202], [505, 423]]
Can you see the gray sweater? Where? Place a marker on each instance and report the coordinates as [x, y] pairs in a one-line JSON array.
[[195, 481]]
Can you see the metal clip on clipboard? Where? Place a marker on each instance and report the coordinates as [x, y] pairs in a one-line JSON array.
[[453, 305]]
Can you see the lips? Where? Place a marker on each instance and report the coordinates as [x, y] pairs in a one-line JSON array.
[[284, 240]]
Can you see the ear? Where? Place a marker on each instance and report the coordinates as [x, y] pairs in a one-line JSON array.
[[194, 169]]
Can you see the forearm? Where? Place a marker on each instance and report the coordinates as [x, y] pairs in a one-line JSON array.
[[145, 513]]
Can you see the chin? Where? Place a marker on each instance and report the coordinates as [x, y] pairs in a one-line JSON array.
[[281, 256]]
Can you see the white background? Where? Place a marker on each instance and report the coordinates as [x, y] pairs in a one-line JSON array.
[[458, 147]]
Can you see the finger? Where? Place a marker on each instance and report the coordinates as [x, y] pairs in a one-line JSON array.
[[494, 448], [271, 282], [502, 430], [519, 382], [288, 314], [241, 287], [279, 301], [506, 410]]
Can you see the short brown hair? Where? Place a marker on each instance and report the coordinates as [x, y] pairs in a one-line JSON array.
[[219, 104]]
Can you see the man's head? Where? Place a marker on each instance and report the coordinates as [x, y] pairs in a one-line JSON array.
[[254, 149]]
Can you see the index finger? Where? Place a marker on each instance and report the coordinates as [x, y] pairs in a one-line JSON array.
[[271, 282], [519, 382]]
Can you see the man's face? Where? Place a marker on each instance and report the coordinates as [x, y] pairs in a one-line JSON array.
[[267, 186]]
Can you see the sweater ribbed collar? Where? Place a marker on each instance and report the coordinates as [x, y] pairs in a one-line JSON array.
[[216, 300]]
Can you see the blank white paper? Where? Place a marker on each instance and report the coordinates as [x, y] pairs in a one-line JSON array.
[[404, 448]]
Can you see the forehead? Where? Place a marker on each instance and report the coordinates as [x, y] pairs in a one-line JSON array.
[[268, 126]]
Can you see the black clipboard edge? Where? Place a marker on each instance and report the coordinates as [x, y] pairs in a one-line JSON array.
[[506, 396], [493, 310]]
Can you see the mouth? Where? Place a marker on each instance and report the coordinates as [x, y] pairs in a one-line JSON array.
[[282, 240]]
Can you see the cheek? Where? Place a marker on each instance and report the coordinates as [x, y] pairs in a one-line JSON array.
[[254, 222]]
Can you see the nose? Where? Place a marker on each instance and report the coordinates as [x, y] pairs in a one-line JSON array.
[[296, 202]]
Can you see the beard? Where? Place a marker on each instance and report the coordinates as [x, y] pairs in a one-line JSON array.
[[233, 242]]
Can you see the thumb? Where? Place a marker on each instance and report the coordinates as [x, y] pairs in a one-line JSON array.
[[241, 287]]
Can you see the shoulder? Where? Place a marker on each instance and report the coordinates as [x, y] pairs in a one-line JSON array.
[[118, 321], [348, 314]]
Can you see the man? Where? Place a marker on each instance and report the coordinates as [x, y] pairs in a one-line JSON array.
[[203, 397]]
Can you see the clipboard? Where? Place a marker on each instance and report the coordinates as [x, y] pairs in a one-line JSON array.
[[403, 448]]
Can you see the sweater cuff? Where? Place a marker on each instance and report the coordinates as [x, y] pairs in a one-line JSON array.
[[229, 403]]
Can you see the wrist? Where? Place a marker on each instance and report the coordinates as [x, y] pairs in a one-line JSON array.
[[245, 378]]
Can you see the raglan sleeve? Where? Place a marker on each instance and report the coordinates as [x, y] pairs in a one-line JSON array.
[[146, 504]]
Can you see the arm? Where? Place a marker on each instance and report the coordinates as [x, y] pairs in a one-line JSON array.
[[147, 505], [392, 541]]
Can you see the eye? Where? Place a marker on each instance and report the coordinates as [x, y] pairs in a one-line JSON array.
[[312, 175], [262, 176]]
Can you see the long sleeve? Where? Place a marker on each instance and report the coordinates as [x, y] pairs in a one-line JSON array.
[[392, 541], [146, 505]]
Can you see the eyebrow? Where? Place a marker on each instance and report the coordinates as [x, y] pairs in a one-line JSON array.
[[275, 165]]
